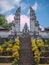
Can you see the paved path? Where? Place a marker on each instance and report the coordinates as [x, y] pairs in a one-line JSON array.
[[26, 56]]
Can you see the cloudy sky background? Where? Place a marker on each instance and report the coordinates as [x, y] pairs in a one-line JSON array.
[[41, 7]]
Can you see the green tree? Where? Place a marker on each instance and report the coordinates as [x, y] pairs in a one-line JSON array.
[[7, 25], [2, 19], [4, 22]]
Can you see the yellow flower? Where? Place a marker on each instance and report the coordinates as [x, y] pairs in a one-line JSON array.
[[6, 43], [37, 54], [34, 48], [8, 49], [15, 54], [1, 49], [40, 45], [33, 43], [16, 47], [37, 57], [10, 45], [17, 41]]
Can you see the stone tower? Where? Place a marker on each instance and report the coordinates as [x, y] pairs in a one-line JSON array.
[[25, 29], [17, 20], [33, 22]]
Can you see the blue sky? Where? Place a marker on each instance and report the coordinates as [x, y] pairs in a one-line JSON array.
[[41, 7]]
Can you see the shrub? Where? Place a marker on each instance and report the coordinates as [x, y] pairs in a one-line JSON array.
[[1, 48], [15, 55], [8, 49]]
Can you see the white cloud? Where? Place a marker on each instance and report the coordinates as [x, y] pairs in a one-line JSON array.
[[41, 28], [23, 6], [10, 18], [6, 5], [35, 6], [23, 19]]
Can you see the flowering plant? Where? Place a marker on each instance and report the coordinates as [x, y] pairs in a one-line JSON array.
[[34, 48], [36, 52], [33, 43], [15, 55], [37, 56], [8, 49], [16, 47], [17, 42], [40, 43], [1, 48], [10, 45]]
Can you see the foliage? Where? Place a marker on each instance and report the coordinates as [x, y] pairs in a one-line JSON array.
[[1, 48], [10, 41], [15, 62], [4, 45], [46, 41], [35, 51], [8, 49], [37, 55], [33, 44], [7, 25], [15, 55], [2, 19], [41, 46], [40, 43], [16, 47], [8, 46], [4, 22], [17, 42], [34, 48]]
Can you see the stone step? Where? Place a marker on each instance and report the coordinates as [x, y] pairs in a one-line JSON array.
[[44, 60], [43, 64], [22, 63], [5, 63], [26, 55], [6, 59]]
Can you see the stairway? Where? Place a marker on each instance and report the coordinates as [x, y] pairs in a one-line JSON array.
[[44, 59], [26, 55]]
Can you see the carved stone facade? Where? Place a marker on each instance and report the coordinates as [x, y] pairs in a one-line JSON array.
[[25, 29], [17, 20], [33, 22]]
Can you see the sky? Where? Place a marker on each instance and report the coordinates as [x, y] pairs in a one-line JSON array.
[[41, 7]]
